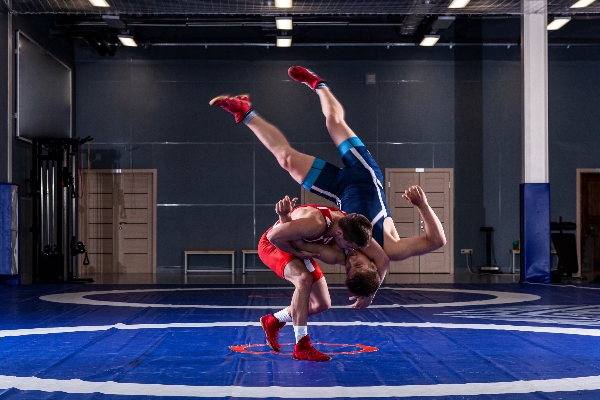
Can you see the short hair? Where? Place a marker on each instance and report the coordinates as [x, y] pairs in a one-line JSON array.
[[356, 228], [364, 282]]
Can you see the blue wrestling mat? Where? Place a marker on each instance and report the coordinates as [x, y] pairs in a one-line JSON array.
[[506, 341]]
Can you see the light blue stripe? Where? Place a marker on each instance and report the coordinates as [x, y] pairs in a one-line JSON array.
[[347, 144], [313, 174], [251, 114]]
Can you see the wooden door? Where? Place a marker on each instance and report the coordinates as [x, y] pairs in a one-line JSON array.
[[96, 228], [117, 221], [589, 224], [135, 213], [437, 184]]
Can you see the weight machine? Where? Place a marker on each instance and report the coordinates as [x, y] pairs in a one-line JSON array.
[[54, 227], [565, 245]]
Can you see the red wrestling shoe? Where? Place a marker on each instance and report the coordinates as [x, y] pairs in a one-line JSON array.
[[243, 97], [306, 76], [238, 105], [303, 350], [271, 326]]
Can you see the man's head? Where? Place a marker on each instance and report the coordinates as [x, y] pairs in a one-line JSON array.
[[362, 278], [354, 232]]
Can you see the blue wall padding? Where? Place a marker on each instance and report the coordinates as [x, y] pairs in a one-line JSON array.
[[535, 232], [8, 229]]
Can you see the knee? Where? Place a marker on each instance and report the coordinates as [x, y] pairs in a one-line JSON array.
[[304, 280], [285, 158], [319, 306], [334, 119], [322, 305]]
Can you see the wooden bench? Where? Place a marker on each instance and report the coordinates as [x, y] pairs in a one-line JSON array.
[[244, 269], [515, 253], [186, 253]]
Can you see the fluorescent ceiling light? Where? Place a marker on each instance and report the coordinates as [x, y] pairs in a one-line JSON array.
[[582, 3], [429, 40], [558, 23], [283, 23], [99, 3], [283, 3], [284, 41], [127, 40], [459, 3]]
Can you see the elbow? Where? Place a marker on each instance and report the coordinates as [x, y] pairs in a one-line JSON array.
[[441, 241], [386, 261], [271, 237], [435, 243]]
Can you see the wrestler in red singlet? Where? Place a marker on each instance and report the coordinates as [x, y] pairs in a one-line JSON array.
[[276, 259]]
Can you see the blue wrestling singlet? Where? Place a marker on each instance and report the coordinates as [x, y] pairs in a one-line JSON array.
[[357, 188]]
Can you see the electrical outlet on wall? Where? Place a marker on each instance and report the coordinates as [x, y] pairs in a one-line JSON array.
[[466, 251]]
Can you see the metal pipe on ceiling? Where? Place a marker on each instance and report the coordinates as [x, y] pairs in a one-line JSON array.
[[388, 45], [158, 44]]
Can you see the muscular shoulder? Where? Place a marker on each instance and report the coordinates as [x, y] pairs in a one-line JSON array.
[[307, 213], [337, 213]]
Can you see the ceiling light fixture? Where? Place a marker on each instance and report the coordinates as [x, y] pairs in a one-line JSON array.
[[283, 23], [284, 41], [283, 3], [99, 3], [582, 3], [558, 22], [127, 40], [459, 3], [429, 40]]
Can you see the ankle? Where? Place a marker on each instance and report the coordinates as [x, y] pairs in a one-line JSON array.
[[321, 85], [249, 116], [300, 332]]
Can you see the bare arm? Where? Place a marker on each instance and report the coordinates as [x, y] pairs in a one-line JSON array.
[[328, 253], [379, 257], [434, 232], [283, 235], [382, 262], [289, 230], [284, 207]]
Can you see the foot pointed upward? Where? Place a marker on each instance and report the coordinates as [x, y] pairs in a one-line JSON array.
[[239, 105], [306, 76]]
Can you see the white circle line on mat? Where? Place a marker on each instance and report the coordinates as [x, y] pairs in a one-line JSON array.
[[80, 298]]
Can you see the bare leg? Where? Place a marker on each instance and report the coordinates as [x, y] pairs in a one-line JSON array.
[[296, 163], [319, 300], [319, 297], [334, 117], [296, 273]]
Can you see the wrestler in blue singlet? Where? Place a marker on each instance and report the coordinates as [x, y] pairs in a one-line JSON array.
[[357, 188]]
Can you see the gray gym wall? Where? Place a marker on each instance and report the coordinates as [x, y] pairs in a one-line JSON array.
[[433, 108]]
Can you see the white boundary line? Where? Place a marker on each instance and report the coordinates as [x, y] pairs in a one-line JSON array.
[[80, 298], [77, 386]]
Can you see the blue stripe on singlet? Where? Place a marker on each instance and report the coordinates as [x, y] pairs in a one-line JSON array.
[[347, 144], [313, 174]]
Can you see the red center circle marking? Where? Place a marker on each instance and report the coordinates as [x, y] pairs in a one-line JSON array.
[[361, 348]]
